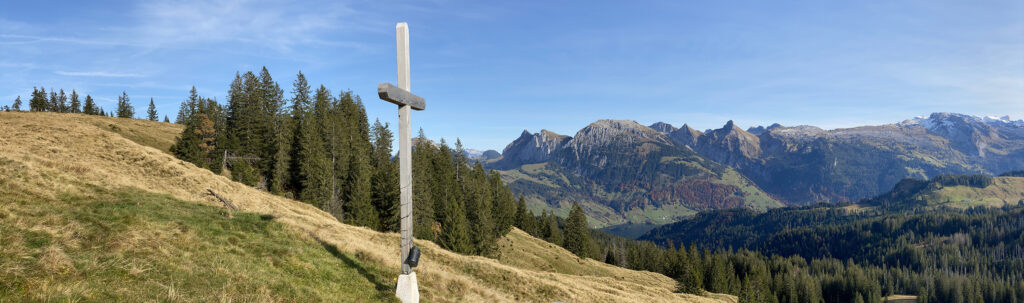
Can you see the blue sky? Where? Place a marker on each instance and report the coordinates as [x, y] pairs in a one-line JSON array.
[[490, 69]]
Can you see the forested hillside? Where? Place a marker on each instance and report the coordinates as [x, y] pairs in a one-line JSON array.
[[941, 251], [319, 148]]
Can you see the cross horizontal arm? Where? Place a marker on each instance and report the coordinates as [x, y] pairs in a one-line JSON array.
[[396, 95]]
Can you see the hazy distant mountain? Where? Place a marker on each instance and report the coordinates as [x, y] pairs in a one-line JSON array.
[[628, 172], [621, 171], [807, 164]]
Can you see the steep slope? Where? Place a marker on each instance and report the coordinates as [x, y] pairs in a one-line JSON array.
[[530, 148], [65, 159], [623, 172], [686, 136], [730, 145]]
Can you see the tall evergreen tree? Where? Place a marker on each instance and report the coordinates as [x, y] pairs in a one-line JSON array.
[[301, 106], [124, 106], [577, 232], [357, 186], [455, 228], [53, 105], [478, 199], [384, 182], [425, 222], [151, 112], [17, 104], [524, 218], [316, 171], [61, 105], [554, 233], [76, 106], [503, 209], [90, 106], [38, 101]]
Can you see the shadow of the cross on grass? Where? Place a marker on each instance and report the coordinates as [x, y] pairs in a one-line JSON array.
[[384, 289]]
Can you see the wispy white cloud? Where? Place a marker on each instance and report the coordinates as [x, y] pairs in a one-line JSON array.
[[98, 74], [279, 25]]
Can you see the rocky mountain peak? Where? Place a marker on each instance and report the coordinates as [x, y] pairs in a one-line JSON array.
[[729, 145], [531, 148], [663, 127], [686, 136]]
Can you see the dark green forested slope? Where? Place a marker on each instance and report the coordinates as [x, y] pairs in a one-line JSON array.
[[905, 243]]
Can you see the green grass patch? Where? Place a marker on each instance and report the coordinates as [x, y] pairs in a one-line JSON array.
[[137, 246]]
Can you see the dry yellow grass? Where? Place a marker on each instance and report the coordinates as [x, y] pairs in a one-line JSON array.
[[49, 154]]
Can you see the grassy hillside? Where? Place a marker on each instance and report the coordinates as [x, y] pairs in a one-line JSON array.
[[87, 203], [1002, 191]]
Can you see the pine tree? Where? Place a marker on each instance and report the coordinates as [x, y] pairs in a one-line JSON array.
[[61, 106], [478, 198], [166, 120], [124, 106], [90, 106], [525, 219], [455, 228], [38, 101], [315, 169], [425, 222], [17, 104], [301, 106], [151, 111], [53, 105], [554, 234], [577, 232], [76, 106], [503, 209], [384, 183], [357, 186], [102, 113]]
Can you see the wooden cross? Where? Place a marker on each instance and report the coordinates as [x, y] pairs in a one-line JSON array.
[[405, 100]]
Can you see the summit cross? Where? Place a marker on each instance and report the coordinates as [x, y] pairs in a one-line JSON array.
[[407, 289]]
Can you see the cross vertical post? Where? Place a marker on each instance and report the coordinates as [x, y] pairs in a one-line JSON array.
[[404, 145], [407, 290]]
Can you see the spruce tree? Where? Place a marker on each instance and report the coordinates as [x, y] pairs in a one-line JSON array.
[[62, 103], [315, 170], [76, 106], [38, 101], [455, 228], [503, 209], [577, 232], [17, 104], [384, 183], [301, 105], [554, 233], [124, 106], [53, 105], [151, 111], [357, 186], [525, 219], [478, 201], [166, 120], [90, 106], [425, 221], [272, 128]]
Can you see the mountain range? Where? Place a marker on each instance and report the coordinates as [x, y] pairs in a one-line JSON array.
[[625, 172]]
